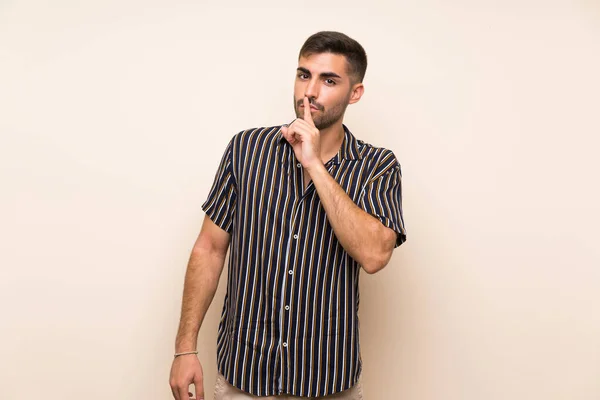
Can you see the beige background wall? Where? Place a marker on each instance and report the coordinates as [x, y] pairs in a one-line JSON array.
[[114, 115]]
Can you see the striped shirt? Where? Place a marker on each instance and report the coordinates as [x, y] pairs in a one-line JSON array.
[[289, 323]]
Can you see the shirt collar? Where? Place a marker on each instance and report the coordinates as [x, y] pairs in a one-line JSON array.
[[348, 150]]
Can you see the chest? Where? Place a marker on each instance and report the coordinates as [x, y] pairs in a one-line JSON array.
[[271, 181]]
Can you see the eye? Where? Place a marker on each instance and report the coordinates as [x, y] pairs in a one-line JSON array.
[[302, 75], [330, 82]]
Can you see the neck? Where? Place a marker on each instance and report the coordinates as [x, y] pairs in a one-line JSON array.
[[331, 140]]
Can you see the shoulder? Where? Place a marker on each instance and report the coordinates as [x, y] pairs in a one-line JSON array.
[[383, 159], [252, 139], [256, 137]]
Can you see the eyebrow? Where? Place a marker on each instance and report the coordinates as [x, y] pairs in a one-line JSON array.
[[322, 74]]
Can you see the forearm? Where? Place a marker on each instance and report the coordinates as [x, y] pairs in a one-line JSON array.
[[201, 281], [359, 233]]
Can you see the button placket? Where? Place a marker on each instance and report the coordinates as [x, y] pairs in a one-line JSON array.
[[287, 293]]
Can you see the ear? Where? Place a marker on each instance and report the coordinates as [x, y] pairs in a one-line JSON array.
[[357, 91]]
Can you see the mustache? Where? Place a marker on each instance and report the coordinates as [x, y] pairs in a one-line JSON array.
[[312, 102]]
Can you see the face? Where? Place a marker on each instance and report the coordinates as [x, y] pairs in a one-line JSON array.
[[324, 79]]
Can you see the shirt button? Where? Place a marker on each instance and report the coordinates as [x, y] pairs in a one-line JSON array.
[[295, 236], [284, 344], [287, 307], [299, 165], [290, 272]]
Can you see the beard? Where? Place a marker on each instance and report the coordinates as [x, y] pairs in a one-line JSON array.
[[324, 118]]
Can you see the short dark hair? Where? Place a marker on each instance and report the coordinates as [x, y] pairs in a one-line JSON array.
[[338, 43]]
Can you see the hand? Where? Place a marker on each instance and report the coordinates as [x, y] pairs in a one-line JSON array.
[[185, 371], [305, 138]]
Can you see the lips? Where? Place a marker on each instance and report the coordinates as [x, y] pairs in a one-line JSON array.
[[311, 107]]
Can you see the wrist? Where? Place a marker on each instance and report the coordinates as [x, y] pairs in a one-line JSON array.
[[315, 167], [184, 349], [185, 353]]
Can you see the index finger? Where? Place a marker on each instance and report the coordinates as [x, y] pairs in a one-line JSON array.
[[307, 114]]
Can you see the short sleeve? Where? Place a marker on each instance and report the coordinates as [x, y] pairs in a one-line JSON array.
[[221, 202], [382, 196]]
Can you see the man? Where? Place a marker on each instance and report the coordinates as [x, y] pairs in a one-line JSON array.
[[301, 207]]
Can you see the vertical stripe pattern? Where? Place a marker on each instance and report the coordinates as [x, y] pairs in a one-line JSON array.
[[289, 323]]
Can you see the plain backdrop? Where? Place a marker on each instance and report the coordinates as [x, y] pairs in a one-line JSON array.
[[115, 114]]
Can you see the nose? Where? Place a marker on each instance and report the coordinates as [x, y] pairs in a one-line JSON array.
[[312, 89]]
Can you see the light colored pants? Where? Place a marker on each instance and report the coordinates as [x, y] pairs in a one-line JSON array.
[[225, 391]]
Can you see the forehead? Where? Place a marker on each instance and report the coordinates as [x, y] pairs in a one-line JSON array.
[[325, 62]]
